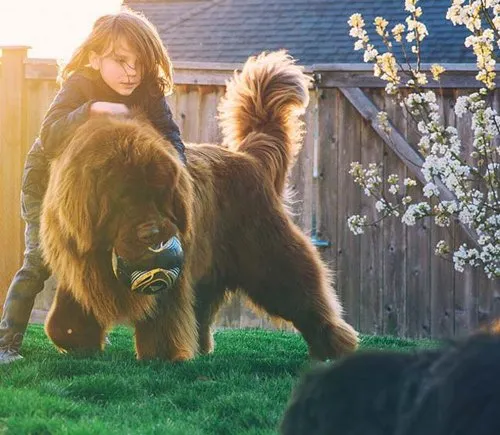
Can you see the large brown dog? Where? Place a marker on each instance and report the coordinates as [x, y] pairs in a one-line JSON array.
[[120, 185]]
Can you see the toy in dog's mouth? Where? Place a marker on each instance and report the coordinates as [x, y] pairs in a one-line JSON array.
[[163, 271]]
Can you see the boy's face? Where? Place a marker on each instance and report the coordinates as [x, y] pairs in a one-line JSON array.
[[119, 67]]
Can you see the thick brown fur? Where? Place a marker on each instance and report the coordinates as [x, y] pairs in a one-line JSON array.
[[119, 176]]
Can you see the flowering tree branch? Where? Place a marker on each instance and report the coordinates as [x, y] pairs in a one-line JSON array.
[[396, 141], [457, 187]]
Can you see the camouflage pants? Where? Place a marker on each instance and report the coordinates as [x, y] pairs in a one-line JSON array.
[[29, 280]]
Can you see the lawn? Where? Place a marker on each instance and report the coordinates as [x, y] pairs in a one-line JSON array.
[[241, 389]]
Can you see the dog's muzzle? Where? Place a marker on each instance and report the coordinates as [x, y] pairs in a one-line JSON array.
[[163, 272]]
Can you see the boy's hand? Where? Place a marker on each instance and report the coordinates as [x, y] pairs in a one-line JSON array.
[[104, 107]]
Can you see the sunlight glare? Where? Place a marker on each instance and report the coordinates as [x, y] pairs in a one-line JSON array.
[[52, 28]]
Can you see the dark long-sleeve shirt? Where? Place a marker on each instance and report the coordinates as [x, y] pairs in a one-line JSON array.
[[71, 108]]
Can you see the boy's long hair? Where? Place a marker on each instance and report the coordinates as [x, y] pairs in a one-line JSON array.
[[142, 37]]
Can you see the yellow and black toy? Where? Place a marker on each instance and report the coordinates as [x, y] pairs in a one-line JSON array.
[[162, 273]]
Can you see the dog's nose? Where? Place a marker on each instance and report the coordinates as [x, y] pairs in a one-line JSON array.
[[148, 232]]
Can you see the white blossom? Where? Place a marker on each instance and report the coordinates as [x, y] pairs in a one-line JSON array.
[[356, 224], [414, 212], [461, 106], [430, 189], [442, 248]]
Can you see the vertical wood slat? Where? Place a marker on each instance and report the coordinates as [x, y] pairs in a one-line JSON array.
[[181, 118], [195, 111], [348, 265], [40, 93], [372, 266], [465, 285], [418, 299], [306, 156], [208, 127], [442, 272], [193, 114], [327, 184], [394, 235], [419, 259], [300, 182], [12, 146], [486, 288], [494, 286]]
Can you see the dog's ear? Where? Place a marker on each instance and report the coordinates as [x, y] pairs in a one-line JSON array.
[[181, 202], [77, 208], [165, 172]]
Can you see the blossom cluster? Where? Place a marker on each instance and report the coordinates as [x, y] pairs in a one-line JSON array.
[[474, 16], [385, 65], [472, 180]]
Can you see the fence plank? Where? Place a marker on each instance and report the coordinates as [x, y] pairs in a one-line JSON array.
[[371, 261], [181, 117], [495, 284], [466, 283], [39, 95], [485, 287], [12, 150], [419, 260], [394, 251], [348, 280], [301, 177], [441, 273], [208, 114], [327, 182]]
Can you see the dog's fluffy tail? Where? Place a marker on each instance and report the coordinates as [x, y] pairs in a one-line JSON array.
[[260, 113]]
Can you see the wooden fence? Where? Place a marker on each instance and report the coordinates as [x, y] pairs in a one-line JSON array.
[[389, 280]]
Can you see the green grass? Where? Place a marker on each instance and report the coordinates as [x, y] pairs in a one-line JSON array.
[[242, 388]]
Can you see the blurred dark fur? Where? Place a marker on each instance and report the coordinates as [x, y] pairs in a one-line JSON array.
[[453, 390]]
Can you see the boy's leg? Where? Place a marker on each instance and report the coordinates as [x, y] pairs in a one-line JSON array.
[[27, 283], [29, 280]]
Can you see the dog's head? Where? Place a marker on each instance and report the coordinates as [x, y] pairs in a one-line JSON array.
[[119, 184]]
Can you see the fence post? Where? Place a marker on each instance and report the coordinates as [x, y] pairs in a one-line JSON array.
[[12, 153]]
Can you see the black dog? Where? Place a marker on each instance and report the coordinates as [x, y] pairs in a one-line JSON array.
[[454, 390]]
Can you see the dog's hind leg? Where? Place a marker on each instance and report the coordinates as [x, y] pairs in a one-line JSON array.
[[171, 333], [209, 298], [287, 278], [71, 328]]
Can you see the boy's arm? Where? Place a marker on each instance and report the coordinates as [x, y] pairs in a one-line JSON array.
[[161, 117], [68, 111]]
